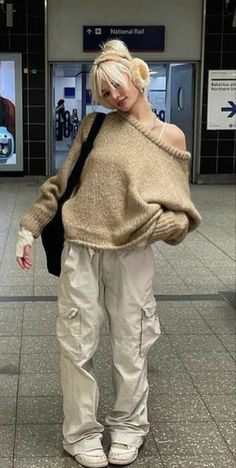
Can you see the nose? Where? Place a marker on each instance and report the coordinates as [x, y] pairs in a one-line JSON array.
[[115, 94]]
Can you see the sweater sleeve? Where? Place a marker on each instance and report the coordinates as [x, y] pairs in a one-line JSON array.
[[45, 207], [171, 227]]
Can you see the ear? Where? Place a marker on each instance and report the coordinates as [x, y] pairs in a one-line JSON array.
[[139, 73]]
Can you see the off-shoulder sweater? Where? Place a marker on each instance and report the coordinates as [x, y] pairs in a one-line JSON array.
[[134, 189]]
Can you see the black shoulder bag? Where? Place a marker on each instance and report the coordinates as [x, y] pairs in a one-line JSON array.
[[53, 233]]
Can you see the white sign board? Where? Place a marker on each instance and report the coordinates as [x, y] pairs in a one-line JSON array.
[[221, 110]]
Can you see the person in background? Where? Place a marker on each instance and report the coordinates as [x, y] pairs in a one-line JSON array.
[[74, 122], [134, 191], [60, 114]]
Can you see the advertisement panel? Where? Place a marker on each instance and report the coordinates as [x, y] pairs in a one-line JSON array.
[[11, 154]]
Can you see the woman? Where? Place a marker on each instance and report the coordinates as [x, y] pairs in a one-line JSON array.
[[133, 191]]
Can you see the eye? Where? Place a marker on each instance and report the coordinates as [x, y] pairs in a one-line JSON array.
[[105, 94], [116, 85]]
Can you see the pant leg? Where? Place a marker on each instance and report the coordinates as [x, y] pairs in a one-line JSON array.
[[80, 315], [134, 325]]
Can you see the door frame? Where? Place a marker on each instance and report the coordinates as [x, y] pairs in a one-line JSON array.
[[195, 164]]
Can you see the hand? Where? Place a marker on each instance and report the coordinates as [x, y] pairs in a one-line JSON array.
[[25, 262]]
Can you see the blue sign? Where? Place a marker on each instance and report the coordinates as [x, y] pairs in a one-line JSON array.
[[69, 93], [137, 38]]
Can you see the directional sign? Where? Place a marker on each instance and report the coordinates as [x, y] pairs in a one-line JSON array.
[[137, 38], [221, 112], [231, 110]]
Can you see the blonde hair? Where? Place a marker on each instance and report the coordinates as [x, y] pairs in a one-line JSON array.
[[109, 66], [116, 46]]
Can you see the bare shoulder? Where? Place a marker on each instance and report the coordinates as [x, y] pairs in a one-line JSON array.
[[174, 136]]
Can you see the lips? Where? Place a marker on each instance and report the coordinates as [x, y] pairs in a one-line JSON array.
[[121, 102]]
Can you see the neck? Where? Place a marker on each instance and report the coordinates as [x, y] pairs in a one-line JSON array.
[[141, 110]]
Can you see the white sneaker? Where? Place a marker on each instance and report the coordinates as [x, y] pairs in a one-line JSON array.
[[121, 454], [92, 458]]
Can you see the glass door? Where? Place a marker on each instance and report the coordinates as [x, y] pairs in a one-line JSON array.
[[66, 109]]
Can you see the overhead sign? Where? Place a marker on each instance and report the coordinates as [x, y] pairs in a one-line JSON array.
[[221, 111], [137, 38]]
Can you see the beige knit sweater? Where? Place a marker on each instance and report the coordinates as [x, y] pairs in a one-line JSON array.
[[134, 189]]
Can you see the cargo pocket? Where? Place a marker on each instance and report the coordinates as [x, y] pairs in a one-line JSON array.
[[150, 327], [67, 311], [68, 330]]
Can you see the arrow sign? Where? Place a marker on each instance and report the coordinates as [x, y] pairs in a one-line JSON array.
[[231, 109]]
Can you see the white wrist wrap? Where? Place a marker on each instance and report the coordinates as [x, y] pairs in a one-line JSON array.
[[25, 237]]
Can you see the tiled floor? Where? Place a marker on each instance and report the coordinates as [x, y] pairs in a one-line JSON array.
[[191, 367]]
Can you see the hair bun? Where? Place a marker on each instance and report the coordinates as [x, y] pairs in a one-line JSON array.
[[118, 47], [139, 73]]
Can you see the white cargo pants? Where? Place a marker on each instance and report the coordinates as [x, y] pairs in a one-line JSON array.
[[119, 283]]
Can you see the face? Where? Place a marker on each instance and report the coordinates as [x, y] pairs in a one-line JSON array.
[[120, 97]]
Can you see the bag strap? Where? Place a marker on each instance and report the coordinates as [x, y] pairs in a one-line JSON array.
[[87, 146]]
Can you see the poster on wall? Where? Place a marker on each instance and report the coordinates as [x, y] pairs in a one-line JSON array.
[[10, 113], [221, 108]]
